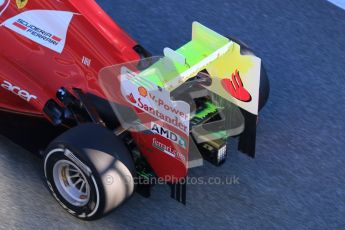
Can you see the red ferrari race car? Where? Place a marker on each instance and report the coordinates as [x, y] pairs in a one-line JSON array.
[[127, 117]]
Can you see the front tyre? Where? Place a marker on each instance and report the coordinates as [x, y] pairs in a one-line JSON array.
[[89, 171]]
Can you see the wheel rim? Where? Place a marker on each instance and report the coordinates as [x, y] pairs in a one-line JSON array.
[[71, 183]]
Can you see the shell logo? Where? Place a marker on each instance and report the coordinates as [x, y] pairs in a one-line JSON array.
[[142, 91]]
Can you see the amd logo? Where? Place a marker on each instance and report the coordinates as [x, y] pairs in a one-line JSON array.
[[168, 134], [18, 91]]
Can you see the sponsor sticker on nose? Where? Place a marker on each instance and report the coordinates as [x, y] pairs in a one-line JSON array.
[[45, 27]]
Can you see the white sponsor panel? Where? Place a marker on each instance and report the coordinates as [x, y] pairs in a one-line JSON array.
[[45, 27], [154, 101]]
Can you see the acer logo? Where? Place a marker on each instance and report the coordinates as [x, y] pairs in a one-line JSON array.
[[18, 91]]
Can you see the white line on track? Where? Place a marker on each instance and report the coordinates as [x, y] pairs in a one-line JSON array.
[[339, 3]]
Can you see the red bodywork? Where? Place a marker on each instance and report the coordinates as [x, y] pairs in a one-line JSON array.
[[93, 42], [42, 71]]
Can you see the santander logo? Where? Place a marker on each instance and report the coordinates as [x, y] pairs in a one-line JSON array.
[[235, 88]]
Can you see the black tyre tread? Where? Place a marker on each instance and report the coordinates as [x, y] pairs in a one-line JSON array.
[[84, 138], [94, 145]]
